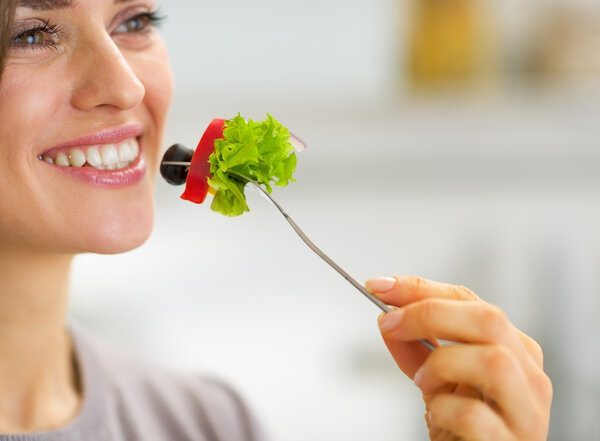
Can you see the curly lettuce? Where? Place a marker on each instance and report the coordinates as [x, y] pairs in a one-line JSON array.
[[259, 150]]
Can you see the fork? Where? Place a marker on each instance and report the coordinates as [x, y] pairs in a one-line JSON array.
[[245, 179]]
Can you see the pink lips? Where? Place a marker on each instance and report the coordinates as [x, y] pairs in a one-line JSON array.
[[106, 137], [105, 178]]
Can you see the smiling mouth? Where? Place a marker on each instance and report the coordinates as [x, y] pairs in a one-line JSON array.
[[101, 157]]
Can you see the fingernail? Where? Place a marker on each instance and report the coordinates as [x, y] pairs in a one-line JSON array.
[[418, 378], [380, 284], [391, 320]]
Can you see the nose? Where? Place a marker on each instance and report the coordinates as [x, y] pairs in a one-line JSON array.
[[105, 79]]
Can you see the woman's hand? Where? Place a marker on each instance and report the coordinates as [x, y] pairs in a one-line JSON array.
[[491, 387]]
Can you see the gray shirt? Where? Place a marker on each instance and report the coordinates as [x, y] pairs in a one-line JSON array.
[[128, 400]]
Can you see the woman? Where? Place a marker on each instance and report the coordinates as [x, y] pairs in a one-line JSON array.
[[84, 93]]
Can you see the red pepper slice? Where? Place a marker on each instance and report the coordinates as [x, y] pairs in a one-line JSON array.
[[196, 185]]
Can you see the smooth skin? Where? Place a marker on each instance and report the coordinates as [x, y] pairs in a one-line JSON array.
[[102, 71], [489, 386]]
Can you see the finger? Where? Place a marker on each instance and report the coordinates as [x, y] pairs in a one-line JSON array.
[[467, 390], [535, 371], [469, 419], [533, 348], [466, 322], [491, 369], [409, 356], [401, 291]]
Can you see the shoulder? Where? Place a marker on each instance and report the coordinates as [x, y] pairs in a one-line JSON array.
[[151, 400]]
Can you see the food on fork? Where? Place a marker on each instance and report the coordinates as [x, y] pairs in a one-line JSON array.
[[260, 151]]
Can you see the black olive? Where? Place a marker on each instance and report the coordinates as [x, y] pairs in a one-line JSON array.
[[176, 174]]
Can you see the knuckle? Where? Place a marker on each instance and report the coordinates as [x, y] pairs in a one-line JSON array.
[[535, 350], [414, 283], [499, 361], [461, 292], [426, 311], [543, 385], [494, 322]]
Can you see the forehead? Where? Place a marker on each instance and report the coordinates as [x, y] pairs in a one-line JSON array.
[[48, 5]]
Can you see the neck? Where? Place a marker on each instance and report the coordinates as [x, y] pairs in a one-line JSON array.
[[37, 375]]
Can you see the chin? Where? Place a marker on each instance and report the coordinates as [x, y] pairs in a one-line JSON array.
[[121, 231], [121, 241]]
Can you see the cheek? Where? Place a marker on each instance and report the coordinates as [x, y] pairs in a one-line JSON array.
[[30, 99]]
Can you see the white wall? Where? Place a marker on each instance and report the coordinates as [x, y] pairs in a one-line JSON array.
[[318, 49]]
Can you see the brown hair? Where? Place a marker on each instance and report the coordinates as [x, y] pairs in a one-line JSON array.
[[7, 12]]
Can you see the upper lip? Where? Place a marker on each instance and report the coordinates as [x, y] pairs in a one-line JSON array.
[[109, 136]]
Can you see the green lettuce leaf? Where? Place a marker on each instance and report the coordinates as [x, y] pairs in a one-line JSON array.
[[258, 150]]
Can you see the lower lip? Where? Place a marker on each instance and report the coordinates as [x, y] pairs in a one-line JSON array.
[[108, 178]]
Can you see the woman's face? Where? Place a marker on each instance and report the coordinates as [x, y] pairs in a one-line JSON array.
[[86, 87]]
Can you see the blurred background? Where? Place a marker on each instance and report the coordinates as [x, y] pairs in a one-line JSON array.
[[453, 139]]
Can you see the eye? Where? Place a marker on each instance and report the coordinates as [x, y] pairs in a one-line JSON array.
[[40, 36], [135, 24], [35, 38], [139, 23]]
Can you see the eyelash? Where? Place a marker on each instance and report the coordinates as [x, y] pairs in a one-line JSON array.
[[154, 19], [45, 28]]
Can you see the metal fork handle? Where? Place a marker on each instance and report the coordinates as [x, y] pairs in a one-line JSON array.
[[381, 305]]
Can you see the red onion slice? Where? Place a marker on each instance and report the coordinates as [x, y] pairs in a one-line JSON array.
[[297, 143]]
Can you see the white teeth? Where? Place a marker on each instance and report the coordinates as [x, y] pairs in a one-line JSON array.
[[107, 157], [62, 160], [77, 158], [135, 148], [125, 153], [110, 156], [93, 157]]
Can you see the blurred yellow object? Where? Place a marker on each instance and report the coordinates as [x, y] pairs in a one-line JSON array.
[[449, 44]]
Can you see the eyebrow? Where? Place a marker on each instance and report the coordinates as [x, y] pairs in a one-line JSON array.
[[49, 5]]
